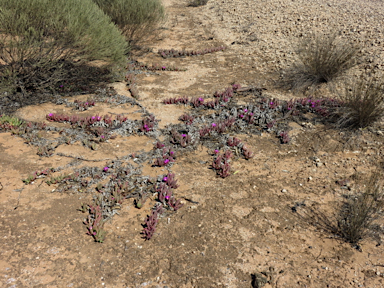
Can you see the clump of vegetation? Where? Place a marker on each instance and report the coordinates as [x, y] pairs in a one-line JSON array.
[[358, 212], [321, 59], [355, 216], [221, 163], [136, 19], [10, 121], [363, 104], [197, 3], [172, 53], [135, 65], [43, 42]]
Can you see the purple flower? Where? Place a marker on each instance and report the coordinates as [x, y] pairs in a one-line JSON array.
[[86, 103], [251, 113], [166, 161], [201, 99], [50, 114], [213, 124], [167, 197], [93, 117], [165, 177], [94, 233], [241, 116], [163, 67], [289, 108], [216, 151], [98, 118], [61, 86], [183, 135], [245, 110], [106, 169], [102, 136], [171, 153], [271, 103]]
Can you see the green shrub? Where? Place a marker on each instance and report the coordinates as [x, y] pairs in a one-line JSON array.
[[135, 18], [320, 60], [41, 41], [363, 104]]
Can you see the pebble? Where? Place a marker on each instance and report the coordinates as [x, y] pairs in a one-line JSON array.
[[284, 191]]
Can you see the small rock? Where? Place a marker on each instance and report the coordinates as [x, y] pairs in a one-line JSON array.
[[284, 191], [319, 164], [378, 132], [309, 178]]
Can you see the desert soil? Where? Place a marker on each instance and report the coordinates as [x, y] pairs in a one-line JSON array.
[[250, 229]]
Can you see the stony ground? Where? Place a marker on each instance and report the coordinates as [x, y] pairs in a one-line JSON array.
[[251, 229]]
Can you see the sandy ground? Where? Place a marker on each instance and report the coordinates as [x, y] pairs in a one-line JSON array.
[[251, 229]]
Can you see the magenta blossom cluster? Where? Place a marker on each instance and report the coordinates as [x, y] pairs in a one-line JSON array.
[[165, 192], [172, 53], [246, 115], [273, 104], [221, 163], [166, 158], [170, 180], [183, 140], [219, 127], [148, 123]]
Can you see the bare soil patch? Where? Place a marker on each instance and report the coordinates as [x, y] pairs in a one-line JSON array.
[[245, 230]]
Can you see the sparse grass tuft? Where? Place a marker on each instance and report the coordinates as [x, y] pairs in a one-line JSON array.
[[321, 59], [355, 216], [363, 104], [358, 212]]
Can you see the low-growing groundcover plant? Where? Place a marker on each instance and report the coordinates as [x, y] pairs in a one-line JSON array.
[[136, 19], [42, 42], [228, 117], [320, 59]]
